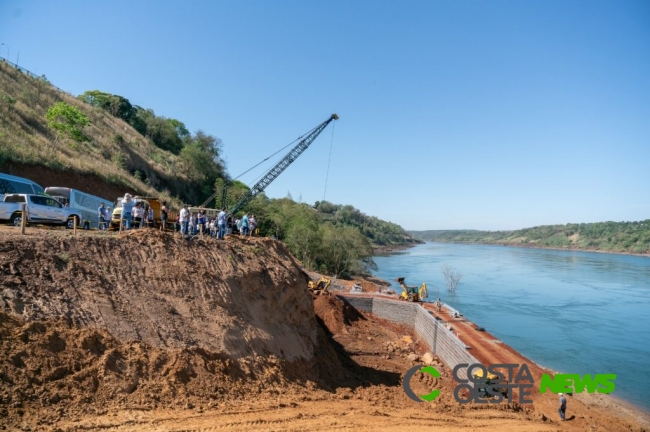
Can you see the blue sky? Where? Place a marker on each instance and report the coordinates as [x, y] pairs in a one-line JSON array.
[[465, 114]]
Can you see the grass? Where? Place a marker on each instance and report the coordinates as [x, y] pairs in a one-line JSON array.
[[113, 153]]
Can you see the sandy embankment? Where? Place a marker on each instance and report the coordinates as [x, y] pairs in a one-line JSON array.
[[147, 331]]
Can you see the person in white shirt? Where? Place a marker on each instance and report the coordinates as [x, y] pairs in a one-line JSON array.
[[138, 213], [221, 224], [184, 218]]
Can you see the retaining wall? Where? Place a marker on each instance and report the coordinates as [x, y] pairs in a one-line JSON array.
[[441, 342]]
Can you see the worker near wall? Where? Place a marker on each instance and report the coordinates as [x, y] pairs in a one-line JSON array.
[[562, 408]]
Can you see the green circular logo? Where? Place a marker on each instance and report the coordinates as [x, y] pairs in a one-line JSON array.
[[406, 384]]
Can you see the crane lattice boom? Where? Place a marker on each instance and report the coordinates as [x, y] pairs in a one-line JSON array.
[[274, 172]]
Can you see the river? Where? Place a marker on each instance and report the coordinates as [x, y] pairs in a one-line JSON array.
[[574, 312]]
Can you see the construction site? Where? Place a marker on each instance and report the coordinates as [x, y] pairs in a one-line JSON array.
[[147, 330]]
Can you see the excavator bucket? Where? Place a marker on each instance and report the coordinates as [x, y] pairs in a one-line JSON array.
[[400, 280]]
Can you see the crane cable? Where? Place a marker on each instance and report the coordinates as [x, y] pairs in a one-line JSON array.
[[327, 174], [269, 157]]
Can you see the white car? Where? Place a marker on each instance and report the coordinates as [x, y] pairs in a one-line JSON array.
[[39, 208]]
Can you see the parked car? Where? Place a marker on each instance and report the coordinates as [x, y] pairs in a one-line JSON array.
[[39, 208]]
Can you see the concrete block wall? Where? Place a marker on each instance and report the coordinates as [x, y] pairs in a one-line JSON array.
[[442, 342]]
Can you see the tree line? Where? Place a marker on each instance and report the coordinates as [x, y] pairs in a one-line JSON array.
[[629, 237], [199, 153], [332, 239]]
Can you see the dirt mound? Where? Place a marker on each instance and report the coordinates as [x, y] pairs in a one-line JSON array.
[[150, 318], [82, 371], [335, 314], [242, 296]]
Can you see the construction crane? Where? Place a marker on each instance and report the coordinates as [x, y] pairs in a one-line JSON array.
[[274, 172]]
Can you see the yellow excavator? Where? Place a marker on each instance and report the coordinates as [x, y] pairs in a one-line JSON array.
[[320, 287], [412, 293]]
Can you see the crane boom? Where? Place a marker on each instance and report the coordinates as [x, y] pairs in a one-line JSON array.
[[282, 165]]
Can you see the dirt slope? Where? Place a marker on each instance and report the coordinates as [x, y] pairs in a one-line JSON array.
[[150, 331], [238, 297]]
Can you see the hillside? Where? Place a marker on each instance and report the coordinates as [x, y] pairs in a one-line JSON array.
[[114, 153], [619, 237]]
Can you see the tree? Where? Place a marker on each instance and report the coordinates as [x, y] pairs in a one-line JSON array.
[[68, 121], [344, 250], [303, 235], [118, 106], [235, 190], [452, 277], [201, 157]]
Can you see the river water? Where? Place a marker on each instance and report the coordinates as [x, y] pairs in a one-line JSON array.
[[574, 312]]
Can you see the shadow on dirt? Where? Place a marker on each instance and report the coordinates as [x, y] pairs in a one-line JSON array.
[[354, 374]]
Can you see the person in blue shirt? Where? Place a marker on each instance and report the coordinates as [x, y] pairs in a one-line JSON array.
[[201, 222], [103, 213], [244, 225]]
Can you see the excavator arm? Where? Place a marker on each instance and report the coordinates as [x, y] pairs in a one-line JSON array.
[[423, 293]]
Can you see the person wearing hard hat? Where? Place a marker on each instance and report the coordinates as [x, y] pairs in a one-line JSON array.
[[562, 408]]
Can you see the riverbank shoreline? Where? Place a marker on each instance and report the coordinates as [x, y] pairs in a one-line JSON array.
[[527, 246], [596, 400], [387, 250]]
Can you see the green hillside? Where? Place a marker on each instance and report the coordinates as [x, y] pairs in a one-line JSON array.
[[621, 237], [107, 147]]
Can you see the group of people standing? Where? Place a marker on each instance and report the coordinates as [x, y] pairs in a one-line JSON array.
[[135, 214], [246, 225], [198, 223]]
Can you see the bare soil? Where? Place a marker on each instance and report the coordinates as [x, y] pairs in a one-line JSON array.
[[150, 331]]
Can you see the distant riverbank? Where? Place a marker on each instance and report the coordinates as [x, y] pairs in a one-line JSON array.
[[628, 238], [537, 246], [388, 249]]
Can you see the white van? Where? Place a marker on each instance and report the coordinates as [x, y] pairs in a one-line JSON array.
[[87, 205], [10, 184]]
